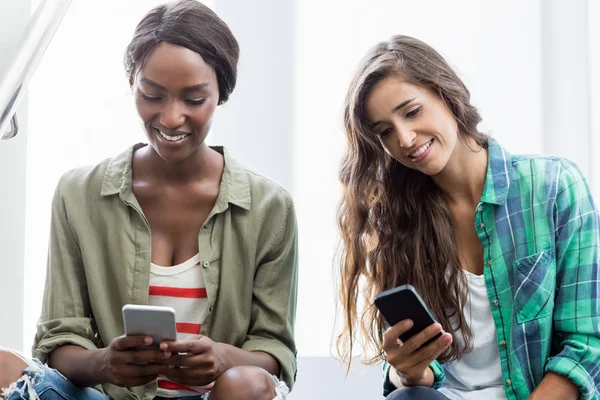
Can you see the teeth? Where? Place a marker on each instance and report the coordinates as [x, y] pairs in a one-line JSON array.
[[172, 138], [420, 150]]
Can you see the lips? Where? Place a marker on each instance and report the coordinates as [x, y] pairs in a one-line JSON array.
[[172, 137], [421, 149]]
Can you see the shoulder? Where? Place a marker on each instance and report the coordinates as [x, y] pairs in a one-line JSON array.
[[94, 181], [551, 179], [266, 192], [265, 207], [547, 167], [82, 180], [271, 205], [256, 192]]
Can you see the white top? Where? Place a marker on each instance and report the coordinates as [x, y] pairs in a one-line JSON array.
[[476, 375], [181, 287]]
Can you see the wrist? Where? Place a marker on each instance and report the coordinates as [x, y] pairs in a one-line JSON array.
[[224, 357], [405, 380], [98, 369]]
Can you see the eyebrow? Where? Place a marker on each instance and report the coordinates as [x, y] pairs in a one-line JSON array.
[[396, 109], [185, 89]]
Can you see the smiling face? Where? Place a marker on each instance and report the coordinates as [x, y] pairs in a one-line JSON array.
[[413, 124], [176, 94]]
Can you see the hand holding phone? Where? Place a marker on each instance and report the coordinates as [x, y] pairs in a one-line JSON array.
[[129, 361], [135, 359], [414, 338]]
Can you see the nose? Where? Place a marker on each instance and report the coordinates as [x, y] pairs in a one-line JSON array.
[[406, 137], [172, 117]]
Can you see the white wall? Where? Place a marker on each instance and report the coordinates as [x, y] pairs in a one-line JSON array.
[[566, 77], [13, 19], [593, 16], [256, 123]]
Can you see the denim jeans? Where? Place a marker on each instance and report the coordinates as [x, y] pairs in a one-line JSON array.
[[40, 382], [416, 393], [44, 383]]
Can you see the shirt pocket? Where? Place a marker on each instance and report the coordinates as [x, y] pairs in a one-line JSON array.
[[535, 285]]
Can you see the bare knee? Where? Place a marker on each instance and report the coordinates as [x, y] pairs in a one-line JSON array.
[[244, 383], [11, 368]]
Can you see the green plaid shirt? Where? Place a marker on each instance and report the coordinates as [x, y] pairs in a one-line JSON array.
[[540, 233]]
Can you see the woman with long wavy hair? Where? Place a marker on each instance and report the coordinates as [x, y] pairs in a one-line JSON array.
[[503, 249]]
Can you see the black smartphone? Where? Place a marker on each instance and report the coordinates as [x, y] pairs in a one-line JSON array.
[[403, 302]]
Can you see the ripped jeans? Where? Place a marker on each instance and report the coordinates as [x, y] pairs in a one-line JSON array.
[[40, 382], [44, 383]]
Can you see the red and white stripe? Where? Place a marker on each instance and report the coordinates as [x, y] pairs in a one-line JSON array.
[[181, 287]]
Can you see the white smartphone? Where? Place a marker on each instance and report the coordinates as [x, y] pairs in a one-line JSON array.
[[155, 321]]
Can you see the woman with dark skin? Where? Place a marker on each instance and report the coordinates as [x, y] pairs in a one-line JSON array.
[[181, 65]]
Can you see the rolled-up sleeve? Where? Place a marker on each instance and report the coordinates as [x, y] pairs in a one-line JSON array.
[[577, 307], [66, 313], [274, 299]]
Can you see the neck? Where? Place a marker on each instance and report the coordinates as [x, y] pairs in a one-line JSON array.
[[198, 166], [463, 178]]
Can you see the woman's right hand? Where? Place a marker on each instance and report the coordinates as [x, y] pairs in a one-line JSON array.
[[409, 359], [124, 363]]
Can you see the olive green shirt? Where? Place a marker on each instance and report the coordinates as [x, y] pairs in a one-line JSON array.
[[100, 254]]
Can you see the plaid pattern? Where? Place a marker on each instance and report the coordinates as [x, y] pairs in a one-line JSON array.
[[540, 232]]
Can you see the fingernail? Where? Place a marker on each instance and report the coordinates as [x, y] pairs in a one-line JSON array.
[[408, 323], [148, 340], [167, 354], [171, 366]]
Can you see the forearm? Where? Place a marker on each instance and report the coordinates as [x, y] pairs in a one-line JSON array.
[[399, 382], [80, 366], [555, 387], [235, 357]]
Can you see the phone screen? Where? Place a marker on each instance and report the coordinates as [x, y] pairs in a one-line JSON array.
[[403, 302]]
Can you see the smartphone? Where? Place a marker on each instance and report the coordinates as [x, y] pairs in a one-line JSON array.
[[403, 302], [155, 321]]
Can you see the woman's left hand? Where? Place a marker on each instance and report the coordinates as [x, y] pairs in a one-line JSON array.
[[196, 362]]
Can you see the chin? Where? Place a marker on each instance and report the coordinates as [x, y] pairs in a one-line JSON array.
[[431, 169], [172, 157], [435, 170]]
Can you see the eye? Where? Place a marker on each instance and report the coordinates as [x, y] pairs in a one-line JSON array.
[[196, 102], [384, 133], [413, 113], [150, 98]]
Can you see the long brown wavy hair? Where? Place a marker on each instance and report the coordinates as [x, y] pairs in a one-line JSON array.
[[395, 222]]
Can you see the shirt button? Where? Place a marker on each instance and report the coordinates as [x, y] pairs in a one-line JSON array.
[[502, 343], [205, 264], [479, 208], [495, 303], [489, 263], [508, 382], [481, 226]]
